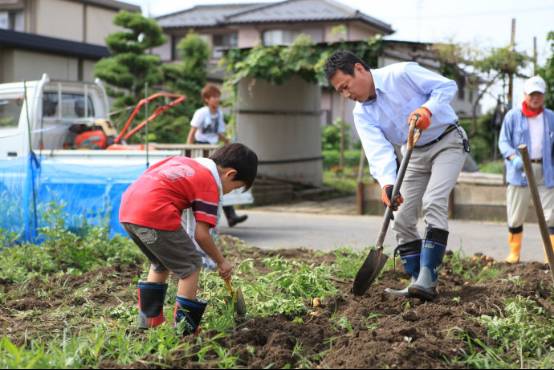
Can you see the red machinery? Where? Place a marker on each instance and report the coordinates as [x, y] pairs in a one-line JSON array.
[[102, 135]]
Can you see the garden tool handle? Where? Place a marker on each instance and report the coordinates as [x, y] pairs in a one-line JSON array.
[[538, 207], [413, 136], [229, 286]]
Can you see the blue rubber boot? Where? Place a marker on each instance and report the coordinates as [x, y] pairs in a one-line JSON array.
[[410, 257], [432, 254], [151, 298], [189, 313]]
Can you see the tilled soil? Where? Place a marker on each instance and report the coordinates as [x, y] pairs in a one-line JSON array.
[[345, 331]]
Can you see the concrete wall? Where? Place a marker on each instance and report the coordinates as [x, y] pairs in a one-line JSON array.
[[282, 123], [61, 19], [475, 197], [19, 65]]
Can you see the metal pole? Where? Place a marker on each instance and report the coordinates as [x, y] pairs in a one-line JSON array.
[[538, 206], [146, 127], [360, 188]]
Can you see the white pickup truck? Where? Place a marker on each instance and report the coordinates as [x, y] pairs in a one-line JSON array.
[[44, 117]]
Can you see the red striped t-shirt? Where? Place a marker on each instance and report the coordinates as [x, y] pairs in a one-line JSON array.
[[159, 196]]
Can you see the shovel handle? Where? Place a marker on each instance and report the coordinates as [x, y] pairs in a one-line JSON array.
[[413, 136], [228, 286], [543, 227]]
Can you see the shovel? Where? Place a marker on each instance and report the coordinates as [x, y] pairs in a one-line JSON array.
[[376, 259], [538, 206], [237, 297]]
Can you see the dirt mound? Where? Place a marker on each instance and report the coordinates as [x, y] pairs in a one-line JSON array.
[[378, 330]]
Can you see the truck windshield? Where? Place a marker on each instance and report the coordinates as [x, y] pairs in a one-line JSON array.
[[10, 109], [73, 105]]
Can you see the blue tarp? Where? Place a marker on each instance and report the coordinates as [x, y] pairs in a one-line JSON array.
[[86, 193]]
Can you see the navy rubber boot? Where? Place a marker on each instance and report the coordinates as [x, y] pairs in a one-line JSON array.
[[151, 298], [189, 312], [432, 254], [410, 257]]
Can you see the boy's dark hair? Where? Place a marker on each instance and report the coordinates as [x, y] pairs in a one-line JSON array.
[[240, 158], [344, 61], [210, 90]]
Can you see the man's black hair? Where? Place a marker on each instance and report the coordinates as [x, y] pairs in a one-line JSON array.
[[240, 158], [344, 61]]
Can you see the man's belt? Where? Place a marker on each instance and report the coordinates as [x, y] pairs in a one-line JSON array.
[[448, 130], [536, 161]]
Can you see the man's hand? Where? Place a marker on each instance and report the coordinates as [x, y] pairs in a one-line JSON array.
[[225, 270], [423, 118], [517, 162], [386, 195]]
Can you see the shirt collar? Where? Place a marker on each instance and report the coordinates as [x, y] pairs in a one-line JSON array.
[[378, 83], [212, 167]]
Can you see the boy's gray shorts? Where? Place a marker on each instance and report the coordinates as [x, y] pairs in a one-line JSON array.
[[167, 250]]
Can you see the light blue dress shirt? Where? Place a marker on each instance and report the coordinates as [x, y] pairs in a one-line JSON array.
[[401, 88]]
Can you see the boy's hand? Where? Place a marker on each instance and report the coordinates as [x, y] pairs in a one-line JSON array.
[[225, 270]]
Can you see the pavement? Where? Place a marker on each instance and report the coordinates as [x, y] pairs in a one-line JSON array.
[[311, 225]]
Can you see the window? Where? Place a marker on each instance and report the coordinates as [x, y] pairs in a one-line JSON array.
[[72, 107], [12, 20], [223, 42], [279, 37], [10, 109]]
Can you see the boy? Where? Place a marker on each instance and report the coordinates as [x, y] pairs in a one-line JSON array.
[[151, 210], [387, 99], [208, 127]]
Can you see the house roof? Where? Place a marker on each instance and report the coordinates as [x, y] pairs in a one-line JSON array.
[[203, 15], [51, 45], [112, 4], [277, 12]]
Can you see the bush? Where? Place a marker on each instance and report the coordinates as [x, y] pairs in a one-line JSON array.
[[331, 136], [331, 158]]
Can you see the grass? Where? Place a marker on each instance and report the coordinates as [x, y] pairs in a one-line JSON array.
[[496, 167], [522, 336], [91, 335]]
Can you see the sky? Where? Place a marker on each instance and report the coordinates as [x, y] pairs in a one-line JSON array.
[[480, 23]]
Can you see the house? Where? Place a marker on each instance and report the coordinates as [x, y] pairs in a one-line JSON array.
[[279, 23], [64, 38]]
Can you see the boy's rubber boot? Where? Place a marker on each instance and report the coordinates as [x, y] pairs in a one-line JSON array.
[[410, 257], [432, 254], [151, 298], [188, 312], [515, 238]]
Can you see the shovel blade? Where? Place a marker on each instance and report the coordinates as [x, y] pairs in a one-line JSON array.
[[240, 304], [370, 270]]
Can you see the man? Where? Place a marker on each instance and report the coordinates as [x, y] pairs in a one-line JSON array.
[[386, 100], [532, 125]]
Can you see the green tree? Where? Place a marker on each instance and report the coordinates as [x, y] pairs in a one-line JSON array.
[[187, 77], [130, 65], [547, 72]]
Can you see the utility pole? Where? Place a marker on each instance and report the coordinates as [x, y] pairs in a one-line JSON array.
[[511, 76], [535, 65]]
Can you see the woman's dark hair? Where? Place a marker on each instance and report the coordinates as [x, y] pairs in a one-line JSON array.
[[240, 158], [344, 61]]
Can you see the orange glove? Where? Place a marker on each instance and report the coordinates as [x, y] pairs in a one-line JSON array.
[[386, 194], [424, 120]]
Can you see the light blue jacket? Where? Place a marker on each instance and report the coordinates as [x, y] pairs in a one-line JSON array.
[[514, 132]]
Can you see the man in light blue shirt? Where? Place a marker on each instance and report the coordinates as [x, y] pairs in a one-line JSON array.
[[387, 99]]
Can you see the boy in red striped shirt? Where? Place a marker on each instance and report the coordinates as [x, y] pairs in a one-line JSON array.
[[151, 210]]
